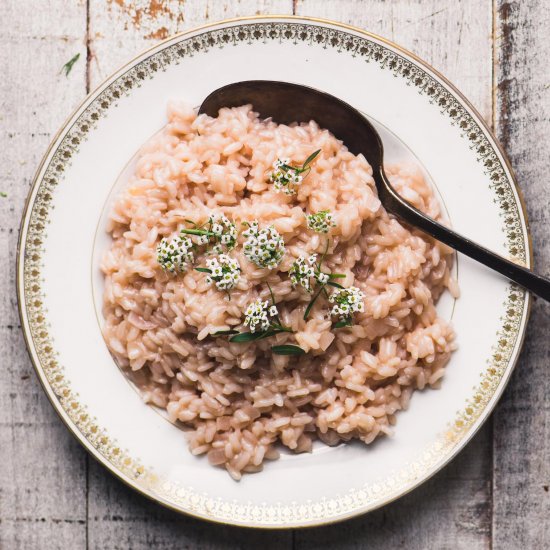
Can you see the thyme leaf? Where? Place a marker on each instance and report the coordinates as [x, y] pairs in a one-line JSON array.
[[197, 232], [246, 337], [313, 300], [342, 324], [224, 332], [287, 349], [335, 285], [310, 159]]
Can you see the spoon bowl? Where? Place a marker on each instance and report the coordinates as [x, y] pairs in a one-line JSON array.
[[287, 103]]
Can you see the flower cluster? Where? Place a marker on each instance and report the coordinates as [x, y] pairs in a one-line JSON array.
[[302, 271], [224, 232], [258, 313], [175, 254], [285, 177], [225, 272], [347, 301], [321, 222], [322, 278], [264, 247]]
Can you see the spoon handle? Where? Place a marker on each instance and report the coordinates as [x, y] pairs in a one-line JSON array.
[[394, 203]]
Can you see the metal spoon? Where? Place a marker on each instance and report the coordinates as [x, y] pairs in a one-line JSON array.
[[286, 103]]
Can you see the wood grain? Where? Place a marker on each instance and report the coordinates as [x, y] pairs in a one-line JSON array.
[[494, 495], [120, 518], [42, 468], [120, 29], [521, 511], [454, 37]]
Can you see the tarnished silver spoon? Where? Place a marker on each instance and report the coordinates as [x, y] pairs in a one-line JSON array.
[[286, 103]]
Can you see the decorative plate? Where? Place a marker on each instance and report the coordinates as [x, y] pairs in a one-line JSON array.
[[421, 117]]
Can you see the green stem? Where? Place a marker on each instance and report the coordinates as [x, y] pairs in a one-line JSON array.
[[342, 324], [271, 292], [281, 327], [308, 309], [323, 256], [197, 232]]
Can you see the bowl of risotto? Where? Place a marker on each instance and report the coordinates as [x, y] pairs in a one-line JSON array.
[[223, 312]]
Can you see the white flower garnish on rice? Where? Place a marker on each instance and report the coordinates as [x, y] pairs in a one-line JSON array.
[[287, 178], [257, 314], [174, 255], [219, 230], [347, 301], [225, 232], [225, 272], [321, 222], [284, 177], [302, 272], [263, 247]]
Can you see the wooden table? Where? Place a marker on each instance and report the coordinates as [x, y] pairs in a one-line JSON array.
[[52, 495]]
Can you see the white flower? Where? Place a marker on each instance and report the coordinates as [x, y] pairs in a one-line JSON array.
[[322, 278], [263, 247], [225, 272], [221, 232], [225, 232], [347, 301], [174, 255], [257, 315], [285, 177], [302, 271], [321, 222]]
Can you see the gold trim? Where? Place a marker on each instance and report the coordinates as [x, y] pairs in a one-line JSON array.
[[102, 448]]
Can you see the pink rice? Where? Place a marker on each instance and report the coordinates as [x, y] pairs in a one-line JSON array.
[[239, 401]]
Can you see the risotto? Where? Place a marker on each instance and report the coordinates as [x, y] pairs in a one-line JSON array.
[[257, 290]]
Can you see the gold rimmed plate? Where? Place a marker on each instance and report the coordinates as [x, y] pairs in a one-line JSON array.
[[422, 118]]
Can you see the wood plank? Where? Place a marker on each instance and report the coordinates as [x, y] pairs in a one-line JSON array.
[[120, 29], [118, 517], [454, 509], [42, 468], [453, 37], [521, 516]]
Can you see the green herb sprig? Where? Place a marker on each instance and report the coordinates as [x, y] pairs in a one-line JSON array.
[[323, 280], [260, 313], [218, 231], [286, 177], [68, 67]]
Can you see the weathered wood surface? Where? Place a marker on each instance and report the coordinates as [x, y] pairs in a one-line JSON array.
[[521, 445], [42, 468], [52, 496]]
